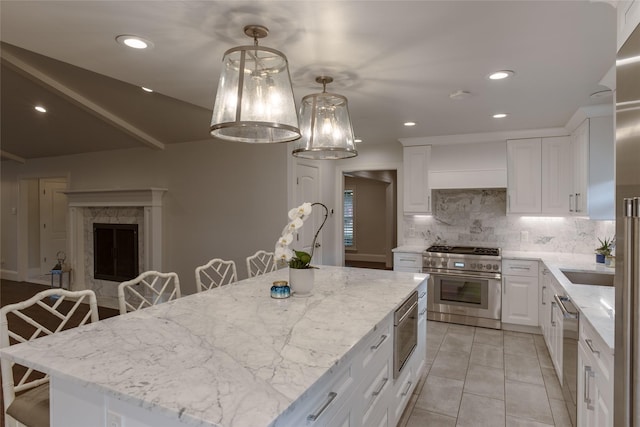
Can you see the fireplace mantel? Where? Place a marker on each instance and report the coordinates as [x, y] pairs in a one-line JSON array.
[[140, 197], [150, 199]]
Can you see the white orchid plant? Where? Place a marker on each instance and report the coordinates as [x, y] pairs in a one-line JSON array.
[[297, 217]]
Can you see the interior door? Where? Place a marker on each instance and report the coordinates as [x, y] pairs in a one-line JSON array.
[[308, 190], [53, 222]]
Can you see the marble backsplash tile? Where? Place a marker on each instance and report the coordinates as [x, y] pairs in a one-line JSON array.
[[478, 217]]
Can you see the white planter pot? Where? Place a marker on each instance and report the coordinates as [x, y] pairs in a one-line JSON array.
[[301, 281]]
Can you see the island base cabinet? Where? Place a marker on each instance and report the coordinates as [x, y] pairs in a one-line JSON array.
[[72, 405]]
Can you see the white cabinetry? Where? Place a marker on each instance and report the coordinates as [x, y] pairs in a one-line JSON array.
[[414, 369], [410, 262], [524, 175], [556, 176], [417, 194], [538, 177], [550, 317], [592, 150], [595, 380], [520, 292], [628, 19], [544, 306]]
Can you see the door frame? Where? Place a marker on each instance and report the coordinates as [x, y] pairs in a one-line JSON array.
[[22, 223], [339, 174]]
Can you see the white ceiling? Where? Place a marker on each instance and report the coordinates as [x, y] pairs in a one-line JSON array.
[[395, 61]]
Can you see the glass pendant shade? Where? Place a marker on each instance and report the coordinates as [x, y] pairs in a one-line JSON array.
[[326, 127], [255, 102]]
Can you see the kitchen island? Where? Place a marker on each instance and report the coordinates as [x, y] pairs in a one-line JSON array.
[[234, 357]]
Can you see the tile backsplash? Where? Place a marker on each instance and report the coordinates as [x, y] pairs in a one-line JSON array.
[[478, 217]]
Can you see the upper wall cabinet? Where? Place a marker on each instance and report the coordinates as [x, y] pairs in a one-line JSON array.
[[417, 194], [539, 175], [592, 152], [628, 19], [524, 176]]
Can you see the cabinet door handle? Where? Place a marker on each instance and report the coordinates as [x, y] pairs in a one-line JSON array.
[[544, 288], [406, 390], [382, 338], [571, 203], [577, 204], [379, 389], [586, 395], [590, 345], [519, 267], [408, 259], [509, 203], [553, 322], [504, 286], [422, 295], [312, 417]]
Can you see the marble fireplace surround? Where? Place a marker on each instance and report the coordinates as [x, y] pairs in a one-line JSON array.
[[80, 203]]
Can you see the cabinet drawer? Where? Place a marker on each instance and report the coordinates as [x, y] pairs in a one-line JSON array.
[[407, 260], [514, 267], [373, 393], [322, 401], [600, 352], [376, 347]]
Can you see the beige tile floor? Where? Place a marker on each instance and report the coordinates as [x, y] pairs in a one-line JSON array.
[[483, 377]]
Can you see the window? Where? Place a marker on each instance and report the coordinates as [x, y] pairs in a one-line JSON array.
[[349, 214]]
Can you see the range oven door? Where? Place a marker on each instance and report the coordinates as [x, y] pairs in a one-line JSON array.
[[465, 295]]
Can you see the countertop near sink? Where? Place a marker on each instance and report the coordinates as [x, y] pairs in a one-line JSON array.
[[596, 303]]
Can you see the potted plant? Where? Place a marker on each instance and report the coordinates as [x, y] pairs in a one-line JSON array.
[[604, 250], [300, 268]]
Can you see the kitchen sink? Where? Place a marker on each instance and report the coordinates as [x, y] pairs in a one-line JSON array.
[[591, 278]]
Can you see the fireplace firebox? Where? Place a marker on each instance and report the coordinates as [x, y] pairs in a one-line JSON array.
[[115, 251]]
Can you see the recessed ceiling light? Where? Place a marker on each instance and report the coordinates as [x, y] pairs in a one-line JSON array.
[[601, 94], [500, 115], [40, 109], [134, 42], [502, 74], [409, 124], [146, 89], [460, 94]]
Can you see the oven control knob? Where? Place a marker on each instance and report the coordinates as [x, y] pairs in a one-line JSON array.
[[473, 265], [444, 263], [433, 263], [495, 266], [480, 266]]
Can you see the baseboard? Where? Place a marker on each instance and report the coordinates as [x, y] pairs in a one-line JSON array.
[[9, 275], [365, 257], [521, 328]]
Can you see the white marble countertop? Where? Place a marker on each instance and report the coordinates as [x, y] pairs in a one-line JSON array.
[[230, 357], [596, 303], [415, 249]]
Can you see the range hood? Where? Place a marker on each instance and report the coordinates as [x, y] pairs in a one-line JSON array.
[[468, 166]]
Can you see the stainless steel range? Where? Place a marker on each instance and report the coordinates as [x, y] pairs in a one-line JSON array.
[[465, 285]]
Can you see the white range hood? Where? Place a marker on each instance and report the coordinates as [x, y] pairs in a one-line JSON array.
[[467, 166]]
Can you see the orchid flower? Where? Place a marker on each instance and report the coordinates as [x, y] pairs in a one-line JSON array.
[[297, 217]]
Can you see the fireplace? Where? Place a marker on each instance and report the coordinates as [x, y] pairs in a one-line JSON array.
[[115, 251], [141, 208]]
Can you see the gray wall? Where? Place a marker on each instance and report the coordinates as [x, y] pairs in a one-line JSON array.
[[224, 200]]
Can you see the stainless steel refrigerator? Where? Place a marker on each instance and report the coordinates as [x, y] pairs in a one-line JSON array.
[[627, 278]]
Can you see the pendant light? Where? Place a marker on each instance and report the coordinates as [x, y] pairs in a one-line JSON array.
[[326, 127], [254, 102]]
